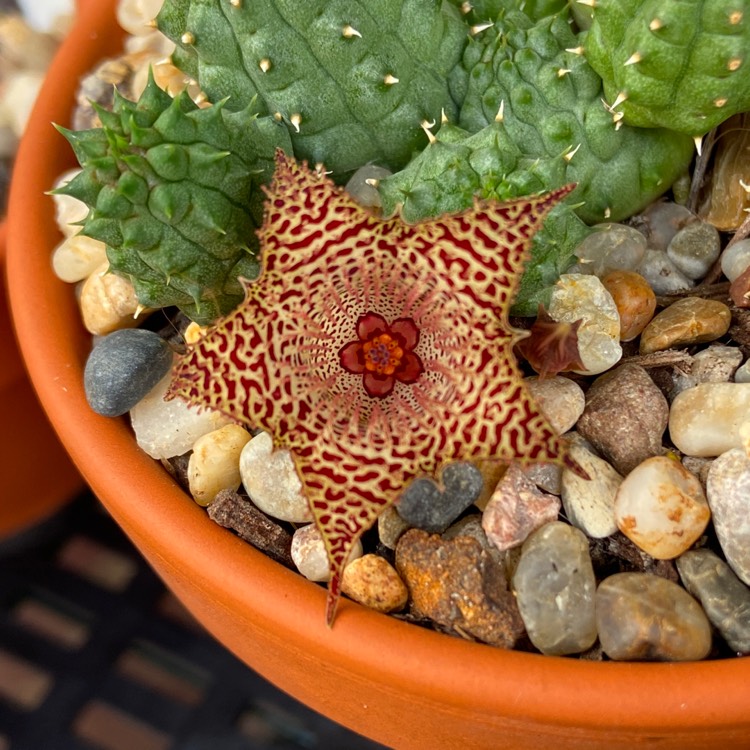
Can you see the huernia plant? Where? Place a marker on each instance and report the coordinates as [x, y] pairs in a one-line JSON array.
[[375, 350]]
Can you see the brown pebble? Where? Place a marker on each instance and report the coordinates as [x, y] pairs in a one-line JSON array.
[[691, 320], [233, 511], [458, 585], [635, 300], [625, 417], [372, 581]]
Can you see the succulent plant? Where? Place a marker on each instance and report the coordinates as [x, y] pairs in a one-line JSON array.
[[172, 192], [533, 77], [680, 64], [353, 82], [456, 167]]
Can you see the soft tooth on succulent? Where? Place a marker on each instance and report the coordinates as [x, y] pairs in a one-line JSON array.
[[550, 100], [679, 64], [172, 192], [352, 81]]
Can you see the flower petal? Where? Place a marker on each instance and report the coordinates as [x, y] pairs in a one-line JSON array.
[[352, 358], [407, 331], [371, 325], [410, 369], [378, 386]]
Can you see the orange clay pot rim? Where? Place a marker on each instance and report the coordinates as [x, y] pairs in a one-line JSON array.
[[362, 643]]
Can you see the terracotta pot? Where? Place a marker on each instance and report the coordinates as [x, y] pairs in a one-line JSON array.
[[38, 477], [397, 683]]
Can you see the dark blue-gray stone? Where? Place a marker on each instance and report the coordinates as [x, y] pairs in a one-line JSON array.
[[122, 368], [424, 505]]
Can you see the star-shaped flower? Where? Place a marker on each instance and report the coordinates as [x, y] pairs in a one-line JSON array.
[[374, 350]]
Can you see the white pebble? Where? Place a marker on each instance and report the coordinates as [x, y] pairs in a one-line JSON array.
[[165, 429], [661, 507], [561, 400], [68, 210], [581, 297], [611, 247], [270, 478], [214, 464], [310, 556], [662, 274], [706, 420], [134, 15], [589, 503], [77, 257], [107, 302], [736, 259], [728, 490]]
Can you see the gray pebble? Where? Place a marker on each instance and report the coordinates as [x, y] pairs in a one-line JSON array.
[[122, 368], [695, 248], [724, 598], [661, 273], [425, 506]]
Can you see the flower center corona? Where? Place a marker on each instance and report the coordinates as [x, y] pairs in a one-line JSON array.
[[382, 354]]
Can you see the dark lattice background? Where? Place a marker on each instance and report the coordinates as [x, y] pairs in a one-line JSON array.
[[95, 654]]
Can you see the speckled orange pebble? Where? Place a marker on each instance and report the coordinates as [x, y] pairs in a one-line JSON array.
[[371, 580], [635, 301]]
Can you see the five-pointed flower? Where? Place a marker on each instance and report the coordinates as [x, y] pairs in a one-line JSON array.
[[375, 351]]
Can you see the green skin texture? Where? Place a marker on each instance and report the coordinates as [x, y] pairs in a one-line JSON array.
[[457, 166], [172, 191], [558, 122], [545, 116], [331, 81], [694, 70]]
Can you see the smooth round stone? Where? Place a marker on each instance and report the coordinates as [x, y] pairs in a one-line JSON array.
[[107, 302], [271, 480], [560, 399], [579, 297], [516, 509], [706, 420], [645, 617], [372, 581], [122, 368], [165, 429], [390, 527], [625, 417], [425, 505], [635, 301], [688, 321], [662, 274], [214, 464], [611, 247], [310, 556], [661, 507], [735, 259], [661, 221], [695, 248], [589, 503], [724, 598], [742, 374], [555, 589], [728, 490], [77, 257]]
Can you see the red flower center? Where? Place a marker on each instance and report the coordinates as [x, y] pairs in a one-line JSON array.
[[383, 354]]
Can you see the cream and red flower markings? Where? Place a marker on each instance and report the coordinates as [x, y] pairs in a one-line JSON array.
[[375, 351], [383, 354]]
